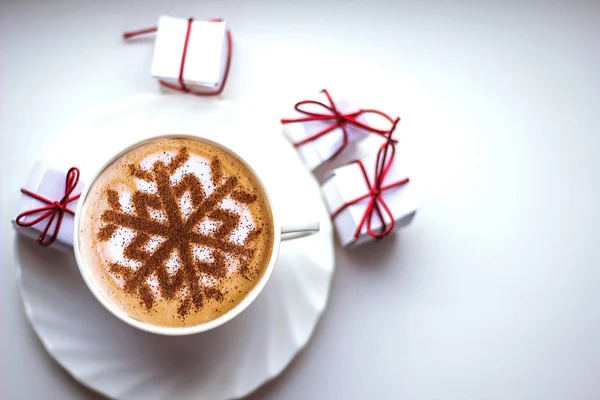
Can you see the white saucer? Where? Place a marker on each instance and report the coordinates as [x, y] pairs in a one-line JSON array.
[[121, 362]]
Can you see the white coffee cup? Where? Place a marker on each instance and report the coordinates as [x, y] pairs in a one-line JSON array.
[[281, 232]]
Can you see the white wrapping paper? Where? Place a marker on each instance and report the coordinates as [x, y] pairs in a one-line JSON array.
[[48, 182], [316, 152], [206, 56], [347, 183]]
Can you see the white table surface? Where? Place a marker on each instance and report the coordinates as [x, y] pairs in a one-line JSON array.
[[492, 293]]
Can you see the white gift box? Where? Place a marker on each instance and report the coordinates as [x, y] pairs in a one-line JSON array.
[[48, 182], [206, 59], [347, 183], [316, 152]]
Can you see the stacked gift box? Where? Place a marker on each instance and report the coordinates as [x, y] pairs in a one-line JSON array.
[[367, 198]]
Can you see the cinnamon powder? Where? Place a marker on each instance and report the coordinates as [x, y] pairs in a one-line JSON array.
[[179, 233]]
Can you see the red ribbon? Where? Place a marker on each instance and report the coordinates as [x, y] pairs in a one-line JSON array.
[[53, 208], [383, 163], [182, 86], [338, 120]]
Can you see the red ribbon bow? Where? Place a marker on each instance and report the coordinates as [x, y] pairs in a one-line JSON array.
[[182, 86], [53, 208], [338, 120], [385, 157]]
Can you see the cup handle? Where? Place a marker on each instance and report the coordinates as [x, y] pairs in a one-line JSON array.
[[299, 229]]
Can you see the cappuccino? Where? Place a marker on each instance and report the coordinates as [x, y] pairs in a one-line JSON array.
[[176, 232]]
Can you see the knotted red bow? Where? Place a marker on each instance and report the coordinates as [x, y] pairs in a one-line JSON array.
[[338, 120], [385, 157], [53, 208], [182, 86]]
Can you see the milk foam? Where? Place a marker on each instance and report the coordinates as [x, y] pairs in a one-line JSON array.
[[104, 235], [200, 167]]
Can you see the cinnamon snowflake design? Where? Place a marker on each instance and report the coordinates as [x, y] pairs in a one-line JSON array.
[[178, 234]]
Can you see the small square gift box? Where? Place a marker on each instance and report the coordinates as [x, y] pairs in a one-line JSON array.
[[47, 205], [369, 198], [190, 56], [322, 128]]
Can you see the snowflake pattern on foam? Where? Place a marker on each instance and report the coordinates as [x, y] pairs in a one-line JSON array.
[[186, 227]]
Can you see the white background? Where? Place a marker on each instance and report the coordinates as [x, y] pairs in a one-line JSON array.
[[492, 293]]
